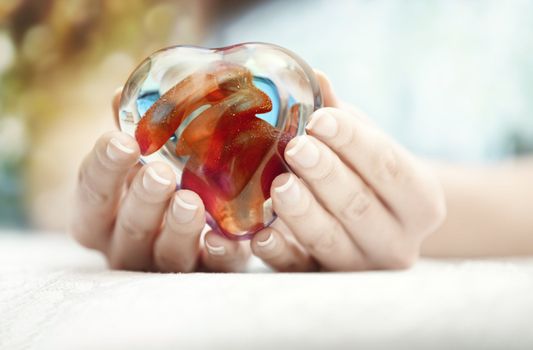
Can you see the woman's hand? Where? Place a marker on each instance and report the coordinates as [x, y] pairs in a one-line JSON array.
[[134, 216], [358, 201]]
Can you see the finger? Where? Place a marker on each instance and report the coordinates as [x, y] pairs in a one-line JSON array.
[[345, 195], [316, 229], [100, 185], [132, 173], [280, 254], [330, 99], [140, 216], [286, 232], [224, 255], [383, 164], [115, 105], [177, 247]]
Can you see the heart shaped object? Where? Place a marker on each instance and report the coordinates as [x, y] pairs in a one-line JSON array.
[[222, 119]]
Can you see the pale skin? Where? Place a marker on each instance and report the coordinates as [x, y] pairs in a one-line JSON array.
[[356, 201]]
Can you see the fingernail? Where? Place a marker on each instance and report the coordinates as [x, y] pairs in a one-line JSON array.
[[117, 151], [304, 152], [154, 182], [183, 212], [289, 192], [323, 124], [268, 243], [220, 250]]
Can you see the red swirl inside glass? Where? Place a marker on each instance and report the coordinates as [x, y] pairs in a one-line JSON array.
[[233, 156]]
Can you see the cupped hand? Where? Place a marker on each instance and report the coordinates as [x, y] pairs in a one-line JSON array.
[[136, 218], [358, 200]]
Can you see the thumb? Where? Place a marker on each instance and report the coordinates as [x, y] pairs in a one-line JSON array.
[[330, 99], [115, 104]]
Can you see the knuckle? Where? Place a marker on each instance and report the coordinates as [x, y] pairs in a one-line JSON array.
[[132, 229], [89, 188], [390, 164], [345, 140], [89, 192], [324, 241], [386, 164], [357, 205]]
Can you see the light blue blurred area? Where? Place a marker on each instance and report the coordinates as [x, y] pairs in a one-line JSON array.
[[268, 87], [448, 79]]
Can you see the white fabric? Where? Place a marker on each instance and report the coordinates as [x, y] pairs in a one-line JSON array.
[[57, 295]]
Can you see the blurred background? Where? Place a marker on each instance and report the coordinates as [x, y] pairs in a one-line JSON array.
[[451, 80], [60, 63]]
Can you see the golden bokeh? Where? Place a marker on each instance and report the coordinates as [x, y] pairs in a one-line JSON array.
[[61, 63]]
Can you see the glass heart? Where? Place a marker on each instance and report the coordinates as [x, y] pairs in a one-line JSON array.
[[222, 119]]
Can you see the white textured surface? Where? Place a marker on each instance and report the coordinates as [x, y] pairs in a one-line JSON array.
[[56, 295]]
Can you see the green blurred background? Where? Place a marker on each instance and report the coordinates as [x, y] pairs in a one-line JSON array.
[[60, 62]]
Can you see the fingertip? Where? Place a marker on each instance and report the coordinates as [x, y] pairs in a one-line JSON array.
[[279, 182], [264, 242], [289, 196], [303, 155], [191, 198], [321, 76], [273, 248], [323, 123], [216, 245], [294, 145], [116, 148], [122, 136], [158, 181], [187, 211], [164, 172], [223, 254]]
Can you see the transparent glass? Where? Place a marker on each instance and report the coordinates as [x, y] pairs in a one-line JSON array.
[[221, 118]]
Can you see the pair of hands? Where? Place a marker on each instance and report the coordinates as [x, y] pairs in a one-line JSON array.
[[358, 201]]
